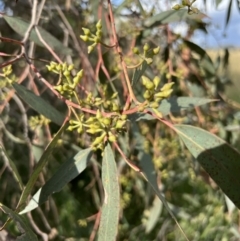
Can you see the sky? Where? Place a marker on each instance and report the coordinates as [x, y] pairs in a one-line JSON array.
[[218, 36]]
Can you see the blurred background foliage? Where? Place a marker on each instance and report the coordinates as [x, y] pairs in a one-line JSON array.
[[200, 207]]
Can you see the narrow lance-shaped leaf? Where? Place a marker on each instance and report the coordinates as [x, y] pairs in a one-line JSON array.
[[238, 4], [228, 13], [26, 232], [171, 16], [65, 173], [20, 26], [206, 62], [110, 210], [39, 104], [219, 159], [13, 167], [139, 72], [40, 165]]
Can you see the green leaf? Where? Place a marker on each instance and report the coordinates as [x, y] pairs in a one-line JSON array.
[[39, 104], [13, 167], [238, 4], [173, 105], [218, 158], [154, 214], [26, 231], [205, 61], [65, 173], [110, 211], [20, 26], [40, 165], [228, 13], [171, 16]]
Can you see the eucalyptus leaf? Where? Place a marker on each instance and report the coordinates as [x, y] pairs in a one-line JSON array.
[[20, 26], [220, 160], [26, 232], [110, 211], [39, 104], [65, 173], [171, 16], [39, 167]]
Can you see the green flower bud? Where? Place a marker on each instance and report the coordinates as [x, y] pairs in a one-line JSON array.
[[136, 50], [99, 33], [66, 73], [58, 88], [111, 137], [94, 131], [64, 66], [98, 114], [99, 24], [156, 81], [164, 94], [70, 128], [157, 99], [86, 31], [167, 86], [168, 76], [154, 105], [147, 95], [76, 80], [146, 47], [149, 60], [106, 121], [94, 126], [58, 67], [120, 124], [176, 7], [84, 38], [114, 95], [115, 107], [70, 67], [123, 117], [90, 120], [80, 73], [99, 139], [145, 80], [53, 64], [79, 129], [49, 67], [156, 50], [90, 48]]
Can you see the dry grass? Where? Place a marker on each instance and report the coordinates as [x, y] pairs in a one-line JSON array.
[[233, 71]]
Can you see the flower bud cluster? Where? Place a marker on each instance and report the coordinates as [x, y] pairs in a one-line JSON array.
[[39, 120], [68, 82], [148, 53], [153, 94], [8, 75], [100, 127], [95, 38], [188, 4], [106, 103]]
